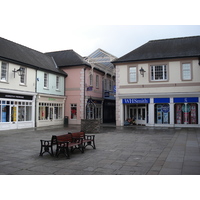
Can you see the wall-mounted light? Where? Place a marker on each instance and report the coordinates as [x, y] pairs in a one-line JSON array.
[[19, 71], [142, 71]]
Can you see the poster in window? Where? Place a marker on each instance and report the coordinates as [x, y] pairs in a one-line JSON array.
[[193, 114], [178, 114]]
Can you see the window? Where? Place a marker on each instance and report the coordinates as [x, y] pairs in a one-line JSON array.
[[91, 80], [57, 82], [46, 80], [97, 81], [162, 114], [73, 111], [50, 111], [186, 113], [23, 76], [159, 73], [186, 71], [4, 71], [105, 84], [132, 74]]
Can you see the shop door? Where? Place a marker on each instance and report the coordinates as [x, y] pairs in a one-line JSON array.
[[141, 115], [51, 113], [13, 116]]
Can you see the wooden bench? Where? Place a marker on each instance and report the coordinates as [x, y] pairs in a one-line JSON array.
[[88, 140], [65, 143]]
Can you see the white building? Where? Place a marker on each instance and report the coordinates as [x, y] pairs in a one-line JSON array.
[[21, 78], [158, 84]]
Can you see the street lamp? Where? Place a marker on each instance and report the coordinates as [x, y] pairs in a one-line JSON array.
[[19, 71], [142, 71]]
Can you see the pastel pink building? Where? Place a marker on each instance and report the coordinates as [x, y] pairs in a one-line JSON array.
[[84, 82]]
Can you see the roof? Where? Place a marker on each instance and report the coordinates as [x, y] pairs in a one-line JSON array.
[[164, 49], [19, 54], [67, 58], [101, 60]]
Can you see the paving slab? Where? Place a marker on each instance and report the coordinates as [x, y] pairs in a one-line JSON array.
[[135, 150]]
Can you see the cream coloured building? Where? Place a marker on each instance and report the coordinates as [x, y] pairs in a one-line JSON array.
[[158, 84]]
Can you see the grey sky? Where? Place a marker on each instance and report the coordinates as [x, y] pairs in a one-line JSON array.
[[60, 25]]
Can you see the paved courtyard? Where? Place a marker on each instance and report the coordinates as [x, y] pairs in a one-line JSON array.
[[136, 150]]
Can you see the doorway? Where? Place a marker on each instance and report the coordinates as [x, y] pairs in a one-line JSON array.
[[138, 114]]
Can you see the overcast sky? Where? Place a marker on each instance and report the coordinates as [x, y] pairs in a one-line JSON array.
[[85, 26]]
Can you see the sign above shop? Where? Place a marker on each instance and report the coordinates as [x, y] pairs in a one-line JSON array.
[[186, 100], [15, 96], [161, 100], [135, 101]]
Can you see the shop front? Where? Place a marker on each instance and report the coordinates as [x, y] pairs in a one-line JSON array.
[[170, 112], [50, 110], [17, 110], [136, 110]]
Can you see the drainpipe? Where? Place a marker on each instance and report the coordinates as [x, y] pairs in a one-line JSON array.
[[84, 94]]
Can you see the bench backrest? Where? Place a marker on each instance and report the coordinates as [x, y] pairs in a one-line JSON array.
[[78, 135], [65, 137]]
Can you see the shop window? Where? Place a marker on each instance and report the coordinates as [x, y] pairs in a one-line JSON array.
[[186, 113], [73, 111], [162, 114]]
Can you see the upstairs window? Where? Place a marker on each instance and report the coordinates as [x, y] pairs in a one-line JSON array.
[[97, 81], [132, 74], [4, 71], [159, 73], [186, 71], [57, 82], [46, 80], [23, 76], [91, 80]]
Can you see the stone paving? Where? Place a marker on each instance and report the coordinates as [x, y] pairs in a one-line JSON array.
[[136, 150]]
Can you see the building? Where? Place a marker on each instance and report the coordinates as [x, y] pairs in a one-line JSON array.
[[101, 60], [88, 80], [22, 89], [158, 84]]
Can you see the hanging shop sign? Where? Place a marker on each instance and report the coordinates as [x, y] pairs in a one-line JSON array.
[[136, 101]]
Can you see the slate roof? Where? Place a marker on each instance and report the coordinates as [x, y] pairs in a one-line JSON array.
[[68, 58], [19, 54], [164, 49]]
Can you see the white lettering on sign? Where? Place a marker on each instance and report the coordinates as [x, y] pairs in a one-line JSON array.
[[135, 101]]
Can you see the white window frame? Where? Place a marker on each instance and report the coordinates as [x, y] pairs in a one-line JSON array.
[[154, 74], [91, 80], [4, 78], [57, 82], [132, 74], [97, 81], [46, 80], [23, 76], [186, 72]]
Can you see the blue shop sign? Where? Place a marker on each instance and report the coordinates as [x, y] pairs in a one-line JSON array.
[[186, 100], [136, 101], [161, 100]]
